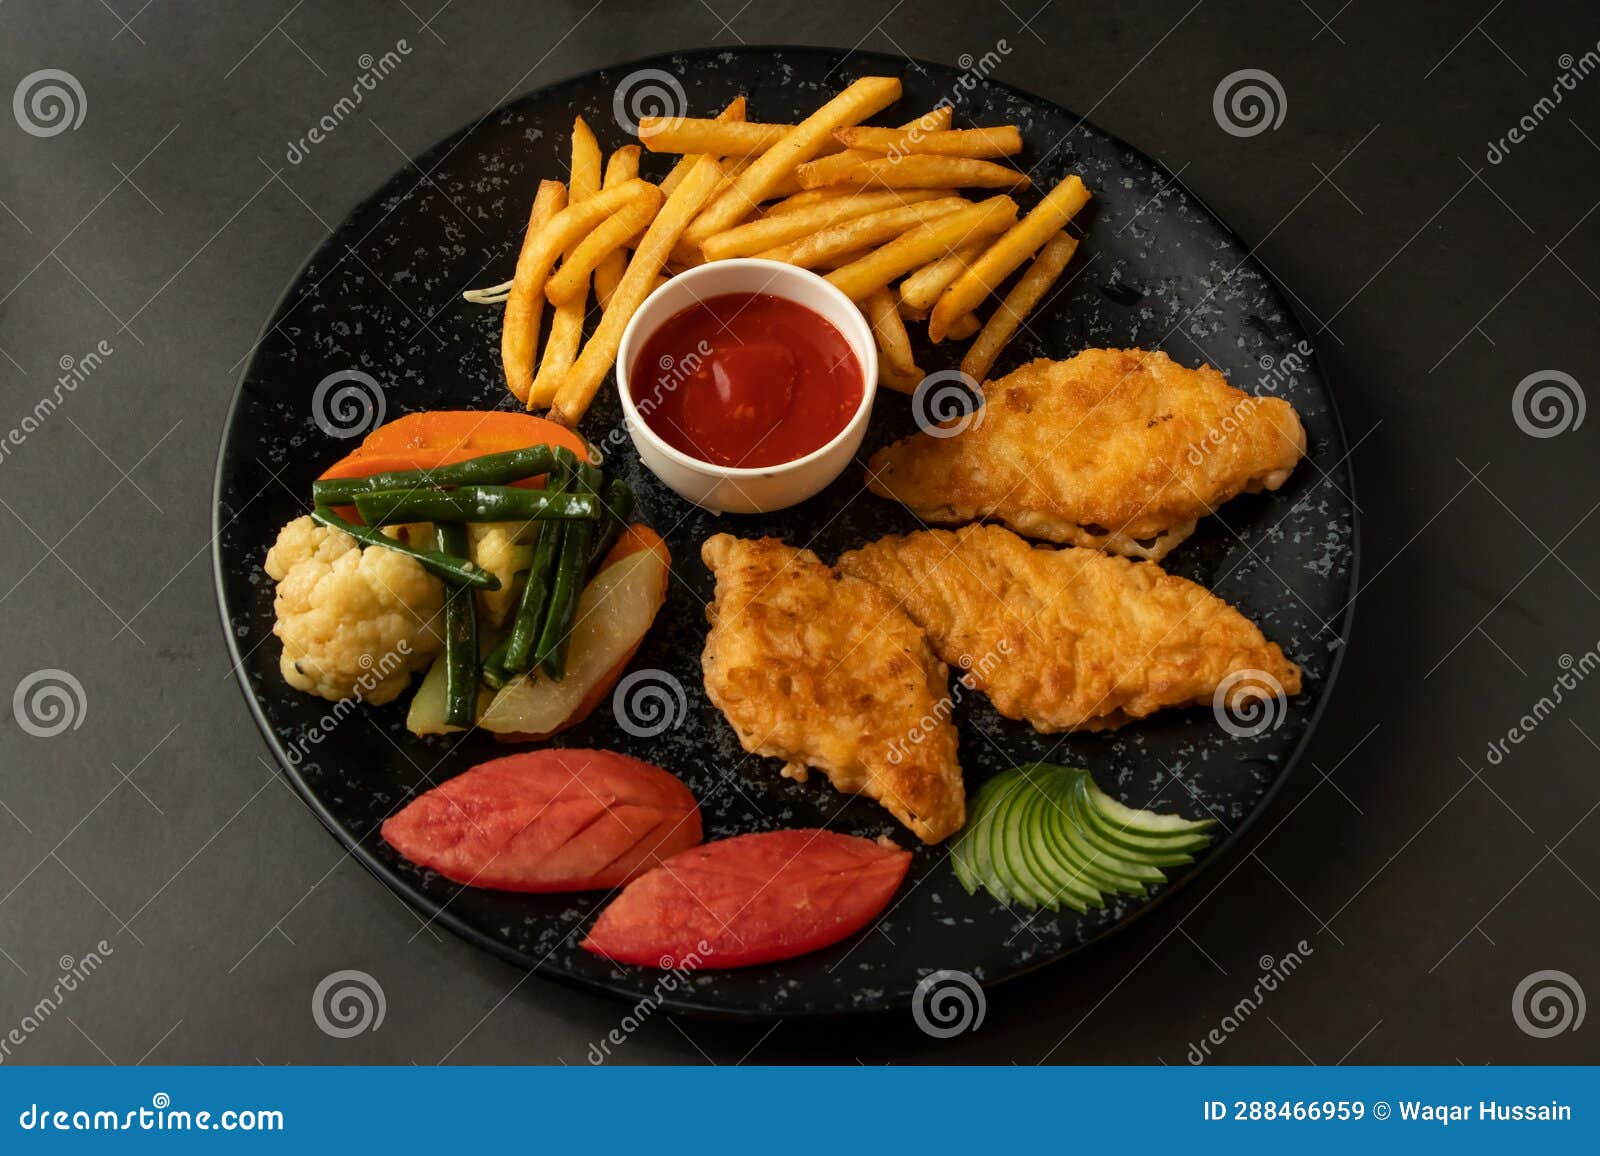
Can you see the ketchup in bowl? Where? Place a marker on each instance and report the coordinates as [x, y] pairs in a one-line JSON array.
[[746, 380]]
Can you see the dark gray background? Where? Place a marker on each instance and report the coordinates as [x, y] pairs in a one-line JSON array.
[[1426, 881]]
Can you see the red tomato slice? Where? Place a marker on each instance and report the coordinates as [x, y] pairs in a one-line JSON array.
[[750, 899], [552, 820]]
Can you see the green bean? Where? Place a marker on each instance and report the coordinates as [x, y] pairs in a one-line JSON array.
[[575, 539], [488, 470], [455, 570], [616, 505], [525, 628], [460, 637], [473, 504]]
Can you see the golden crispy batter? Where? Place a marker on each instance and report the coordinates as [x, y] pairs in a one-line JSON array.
[[815, 668], [1116, 449], [1067, 639]]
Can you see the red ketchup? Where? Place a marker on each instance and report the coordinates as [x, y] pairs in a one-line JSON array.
[[746, 380]]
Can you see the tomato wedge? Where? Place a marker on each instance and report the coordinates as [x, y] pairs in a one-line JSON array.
[[750, 899], [552, 820], [424, 441]]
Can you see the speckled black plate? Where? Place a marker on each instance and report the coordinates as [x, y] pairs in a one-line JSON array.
[[382, 297]]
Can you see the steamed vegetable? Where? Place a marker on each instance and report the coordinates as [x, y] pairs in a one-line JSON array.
[[451, 567], [460, 638], [1043, 836], [489, 470], [551, 820], [474, 504], [573, 564]]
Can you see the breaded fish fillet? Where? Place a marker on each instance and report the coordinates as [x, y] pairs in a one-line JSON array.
[[1068, 639], [1116, 449], [823, 670]]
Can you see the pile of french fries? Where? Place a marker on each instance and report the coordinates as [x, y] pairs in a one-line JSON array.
[[876, 210]]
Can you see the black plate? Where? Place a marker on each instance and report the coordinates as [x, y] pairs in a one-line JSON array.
[[1156, 269]]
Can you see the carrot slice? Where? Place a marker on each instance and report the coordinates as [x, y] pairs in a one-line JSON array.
[[433, 438], [750, 899], [568, 820]]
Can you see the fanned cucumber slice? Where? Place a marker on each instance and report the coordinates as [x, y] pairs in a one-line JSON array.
[[964, 855], [1069, 849], [1143, 822], [1150, 848], [1096, 832], [1062, 874]]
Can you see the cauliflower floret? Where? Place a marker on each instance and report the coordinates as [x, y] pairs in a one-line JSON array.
[[497, 547], [354, 623]]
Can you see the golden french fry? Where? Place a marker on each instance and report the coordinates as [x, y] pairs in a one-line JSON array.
[[894, 343], [772, 231], [899, 382], [600, 353], [935, 120], [727, 138], [964, 327], [922, 288], [922, 244], [869, 95], [1025, 294], [571, 282], [623, 165], [566, 326], [862, 232], [1001, 141], [733, 114], [910, 172], [1021, 241], [909, 313], [519, 327], [806, 199], [689, 255]]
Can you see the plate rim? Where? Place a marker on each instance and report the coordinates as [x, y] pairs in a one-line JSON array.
[[391, 879]]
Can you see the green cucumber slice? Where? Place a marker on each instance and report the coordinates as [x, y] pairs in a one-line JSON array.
[[1144, 822], [1074, 854], [1061, 872], [1021, 837], [1092, 827], [1150, 848], [965, 854]]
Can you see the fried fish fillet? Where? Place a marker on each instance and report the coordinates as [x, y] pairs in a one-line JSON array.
[[1115, 449], [823, 670], [1069, 639]]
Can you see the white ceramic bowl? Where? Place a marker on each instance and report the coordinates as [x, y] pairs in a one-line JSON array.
[[764, 488]]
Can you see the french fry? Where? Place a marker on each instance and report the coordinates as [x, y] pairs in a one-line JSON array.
[[806, 199], [600, 353], [571, 282], [726, 138], [869, 95], [623, 165], [899, 382], [1024, 296], [964, 327], [771, 231], [689, 255], [922, 288], [519, 328], [862, 232], [910, 172], [1020, 242], [566, 326], [894, 343], [1001, 141], [935, 120], [733, 114], [922, 244], [907, 312]]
